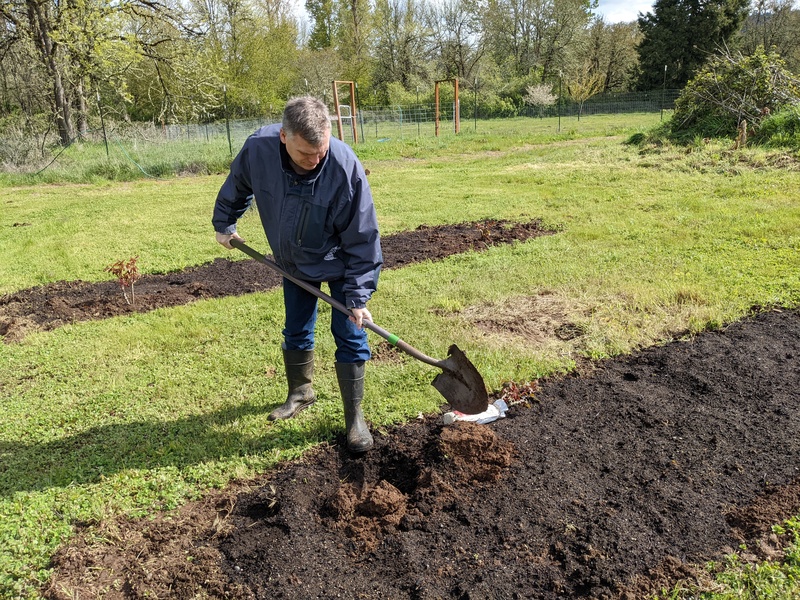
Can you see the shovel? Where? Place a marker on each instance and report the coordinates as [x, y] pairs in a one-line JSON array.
[[459, 382]]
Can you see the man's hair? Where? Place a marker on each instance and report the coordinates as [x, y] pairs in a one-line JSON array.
[[307, 117]]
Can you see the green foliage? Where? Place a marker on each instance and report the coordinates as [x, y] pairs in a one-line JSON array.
[[730, 89], [322, 13], [773, 24], [736, 579], [679, 35], [496, 106], [781, 129]]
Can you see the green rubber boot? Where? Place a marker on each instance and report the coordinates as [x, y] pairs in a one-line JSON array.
[[299, 373], [351, 384]]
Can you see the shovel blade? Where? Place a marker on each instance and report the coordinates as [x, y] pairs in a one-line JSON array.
[[461, 384]]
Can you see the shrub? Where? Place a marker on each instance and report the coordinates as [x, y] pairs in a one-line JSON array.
[[781, 129], [731, 89]]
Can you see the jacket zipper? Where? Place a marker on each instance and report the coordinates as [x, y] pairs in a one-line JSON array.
[[301, 226]]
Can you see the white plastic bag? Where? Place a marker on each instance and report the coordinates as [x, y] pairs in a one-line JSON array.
[[494, 411]]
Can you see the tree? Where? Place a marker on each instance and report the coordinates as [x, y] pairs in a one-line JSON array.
[[534, 36], [510, 28], [81, 45], [540, 96], [456, 37], [774, 25], [582, 84], [269, 53], [250, 46], [353, 38], [561, 28], [323, 19], [611, 50], [683, 34], [39, 21], [400, 47]]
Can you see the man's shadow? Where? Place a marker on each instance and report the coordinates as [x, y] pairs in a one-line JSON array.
[[104, 450]]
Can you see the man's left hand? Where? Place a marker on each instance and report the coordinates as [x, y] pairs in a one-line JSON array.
[[359, 316]]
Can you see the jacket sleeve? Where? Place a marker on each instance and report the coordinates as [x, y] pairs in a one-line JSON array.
[[361, 246], [235, 195]]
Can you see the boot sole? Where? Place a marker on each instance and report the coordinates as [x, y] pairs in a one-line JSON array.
[[361, 449], [300, 408]]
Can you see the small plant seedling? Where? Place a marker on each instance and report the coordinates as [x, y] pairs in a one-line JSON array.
[[127, 273]]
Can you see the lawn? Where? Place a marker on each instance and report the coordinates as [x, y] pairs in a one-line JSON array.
[[134, 415]]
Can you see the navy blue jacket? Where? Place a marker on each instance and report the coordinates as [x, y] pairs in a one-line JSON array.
[[320, 226]]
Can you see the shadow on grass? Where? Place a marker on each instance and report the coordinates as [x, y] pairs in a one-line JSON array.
[[108, 449]]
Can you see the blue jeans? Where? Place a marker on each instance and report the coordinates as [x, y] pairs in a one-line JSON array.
[[301, 318]]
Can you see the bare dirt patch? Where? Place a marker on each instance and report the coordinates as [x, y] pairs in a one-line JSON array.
[[611, 485], [535, 319], [51, 306]]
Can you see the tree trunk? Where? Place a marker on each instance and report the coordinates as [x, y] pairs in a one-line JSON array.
[[41, 27]]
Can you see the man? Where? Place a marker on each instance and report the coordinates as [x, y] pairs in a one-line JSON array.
[[316, 208]]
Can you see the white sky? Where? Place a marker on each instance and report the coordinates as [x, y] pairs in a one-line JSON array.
[[618, 11], [614, 11]]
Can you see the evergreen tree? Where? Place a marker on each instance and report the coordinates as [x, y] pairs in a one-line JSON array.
[[682, 35], [323, 23]]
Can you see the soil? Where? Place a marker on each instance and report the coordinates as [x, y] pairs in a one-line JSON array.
[[56, 304], [617, 482]]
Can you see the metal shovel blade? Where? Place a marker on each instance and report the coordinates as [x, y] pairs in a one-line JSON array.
[[461, 384]]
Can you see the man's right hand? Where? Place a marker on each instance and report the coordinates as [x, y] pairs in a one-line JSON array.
[[225, 239]]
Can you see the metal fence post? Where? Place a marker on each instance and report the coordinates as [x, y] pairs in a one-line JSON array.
[[227, 122], [102, 123]]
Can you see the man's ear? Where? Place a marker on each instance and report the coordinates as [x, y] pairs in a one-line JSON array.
[[283, 135]]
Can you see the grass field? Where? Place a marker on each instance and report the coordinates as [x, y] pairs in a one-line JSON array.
[[138, 414]]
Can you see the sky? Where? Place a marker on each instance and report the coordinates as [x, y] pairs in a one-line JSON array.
[[618, 11]]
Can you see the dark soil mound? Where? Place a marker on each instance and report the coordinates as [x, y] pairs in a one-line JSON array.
[[609, 485], [50, 306]]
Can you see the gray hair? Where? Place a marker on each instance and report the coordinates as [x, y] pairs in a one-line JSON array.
[[307, 117]]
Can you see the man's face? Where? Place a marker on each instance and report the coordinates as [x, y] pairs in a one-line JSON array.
[[305, 157]]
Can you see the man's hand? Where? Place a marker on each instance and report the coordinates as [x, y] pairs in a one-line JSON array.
[[359, 316], [225, 239]]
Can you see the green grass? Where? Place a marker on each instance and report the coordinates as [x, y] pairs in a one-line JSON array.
[[735, 579], [134, 158], [137, 414]]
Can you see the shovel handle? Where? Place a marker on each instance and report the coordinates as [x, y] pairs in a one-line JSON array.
[[389, 337]]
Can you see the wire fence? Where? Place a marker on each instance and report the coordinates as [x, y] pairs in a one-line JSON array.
[[379, 122], [25, 151]]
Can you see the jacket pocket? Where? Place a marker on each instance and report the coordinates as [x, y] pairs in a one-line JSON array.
[[310, 232]]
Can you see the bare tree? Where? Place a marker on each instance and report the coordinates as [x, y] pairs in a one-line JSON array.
[[773, 25], [400, 44], [456, 36]]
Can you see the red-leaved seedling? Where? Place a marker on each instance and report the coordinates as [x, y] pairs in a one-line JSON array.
[[516, 393], [127, 273]]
